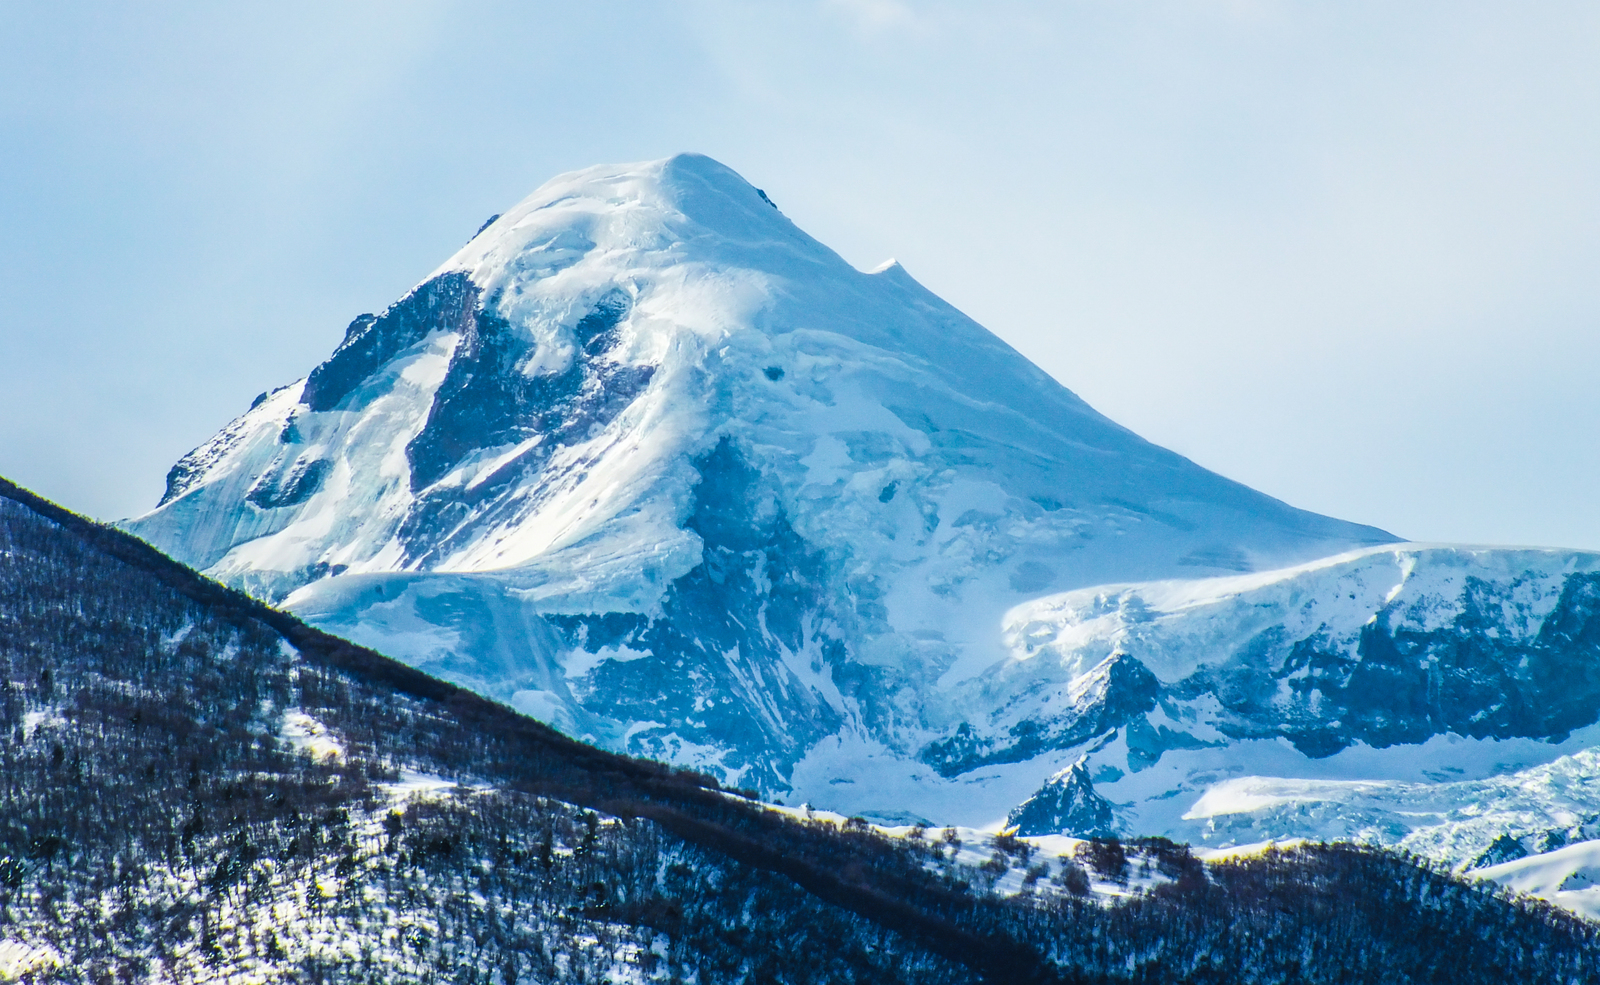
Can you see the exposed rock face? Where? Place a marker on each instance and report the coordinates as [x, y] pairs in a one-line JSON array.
[[1066, 804], [649, 463], [491, 399], [1110, 695], [290, 486], [448, 303], [1401, 682], [1503, 849]]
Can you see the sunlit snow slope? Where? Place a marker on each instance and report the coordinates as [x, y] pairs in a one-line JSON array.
[[1568, 877], [648, 462], [1435, 698]]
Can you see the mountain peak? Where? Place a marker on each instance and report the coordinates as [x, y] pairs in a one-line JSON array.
[[643, 436], [681, 208]]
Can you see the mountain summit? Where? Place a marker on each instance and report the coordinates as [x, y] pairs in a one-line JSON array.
[[648, 463], [553, 384]]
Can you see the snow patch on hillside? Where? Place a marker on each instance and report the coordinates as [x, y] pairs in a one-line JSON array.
[[305, 734], [1569, 877], [19, 958]]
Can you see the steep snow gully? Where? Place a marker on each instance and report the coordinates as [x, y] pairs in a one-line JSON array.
[[647, 462]]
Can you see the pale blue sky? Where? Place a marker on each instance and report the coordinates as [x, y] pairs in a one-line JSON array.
[[1346, 253]]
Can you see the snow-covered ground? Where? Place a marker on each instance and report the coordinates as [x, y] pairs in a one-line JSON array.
[[18, 958], [1007, 865], [306, 734], [1569, 877]]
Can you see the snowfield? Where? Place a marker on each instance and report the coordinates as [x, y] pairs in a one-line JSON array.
[[1568, 877]]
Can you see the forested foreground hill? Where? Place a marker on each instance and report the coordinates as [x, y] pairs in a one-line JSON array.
[[196, 788]]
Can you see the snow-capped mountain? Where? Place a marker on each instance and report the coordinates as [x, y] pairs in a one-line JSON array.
[[647, 462]]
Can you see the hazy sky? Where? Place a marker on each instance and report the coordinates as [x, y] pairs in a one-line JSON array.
[[1348, 253]]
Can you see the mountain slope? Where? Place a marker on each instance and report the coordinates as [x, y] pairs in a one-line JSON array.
[[1435, 698], [649, 463], [200, 788]]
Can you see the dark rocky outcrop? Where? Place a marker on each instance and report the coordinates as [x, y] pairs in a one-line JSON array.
[[487, 401], [1120, 689], [1503, 849], [1067, 804], [1474, 676], [291, 486], [446, 303]]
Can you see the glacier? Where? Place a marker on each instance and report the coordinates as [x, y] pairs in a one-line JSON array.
[[647, 462]]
